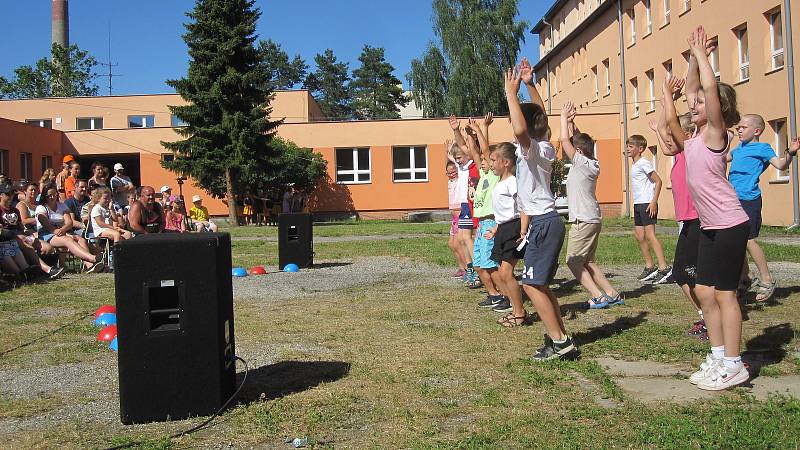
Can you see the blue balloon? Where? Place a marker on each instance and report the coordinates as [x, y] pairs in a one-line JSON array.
[[239, 272], [104, 320], [291, 267], [113, 344]]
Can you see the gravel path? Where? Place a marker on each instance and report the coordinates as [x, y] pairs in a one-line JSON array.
[[377, 237]]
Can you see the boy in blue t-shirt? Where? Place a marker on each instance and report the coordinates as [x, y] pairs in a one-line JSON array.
[[748, 161]]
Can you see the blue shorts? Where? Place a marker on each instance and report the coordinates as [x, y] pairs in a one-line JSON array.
[[9, 249], [465, 221], [545, 238], [482, 250]]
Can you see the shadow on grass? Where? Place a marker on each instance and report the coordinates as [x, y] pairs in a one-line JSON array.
[[610, 329], [639, 291], [289, 377], [779, 294], [768, 347], [325, 265]]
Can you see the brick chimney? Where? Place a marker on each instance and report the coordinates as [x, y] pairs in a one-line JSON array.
[[60, 23]]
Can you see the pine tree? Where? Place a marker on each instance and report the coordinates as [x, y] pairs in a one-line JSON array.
[[69, 73], [479, 39], [228, 133], [376, 91], [329, 85], [283, 73], [429, 80]]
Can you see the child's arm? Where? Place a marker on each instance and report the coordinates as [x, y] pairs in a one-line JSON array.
[[664, 138], [671, 124], [526, 72], [567, 118], [483, 152], [715, 134], [455, 125], [512, 82], [472, 134], [784, 161], [448, 144], [487, 120], [652, 208], [524, 220]]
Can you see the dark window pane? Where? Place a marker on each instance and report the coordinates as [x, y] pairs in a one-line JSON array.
[[176, 122], [401, 158], [136, 122], [401, 176], [344, 159], [363, 159], [419, 158], [421, 174], [84, 124], [363, 177], [167, 157], [98, 123], [345, 177]]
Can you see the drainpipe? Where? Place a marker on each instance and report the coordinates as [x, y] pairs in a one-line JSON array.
[[624, 109], [789, 45], [547, 68]]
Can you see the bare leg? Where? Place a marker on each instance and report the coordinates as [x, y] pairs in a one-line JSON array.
[[644, 247], [655, 244], [760, 260], [510, 287], [467, 244], [584, 277], [73, 247], [689, 293], [549, 310], [600, 279], [706, 295], [486, 279], [731, 316]]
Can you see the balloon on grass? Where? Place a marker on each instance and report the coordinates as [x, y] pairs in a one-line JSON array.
[[105, 309], [107, 334], [258, 270], [291, 267], [113, 344], [105, 319], [239, 272]]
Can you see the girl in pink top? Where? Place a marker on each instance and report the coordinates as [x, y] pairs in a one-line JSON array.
[[725, 225]]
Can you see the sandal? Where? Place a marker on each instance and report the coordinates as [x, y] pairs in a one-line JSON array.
[[511, 321], [765, 290], [474, 284]]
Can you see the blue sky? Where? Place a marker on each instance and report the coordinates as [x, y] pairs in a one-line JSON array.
[[146, 34]]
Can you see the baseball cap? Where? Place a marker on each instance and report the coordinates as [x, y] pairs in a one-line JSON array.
[[118, 166], [67, 158], [165, 188], [196, 198]]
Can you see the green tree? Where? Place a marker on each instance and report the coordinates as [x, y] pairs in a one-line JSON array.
[[376, 91], [68, 73], [478, 39], [329, 85], [283, 73], [228, 133], [301, 167], [429, 80]]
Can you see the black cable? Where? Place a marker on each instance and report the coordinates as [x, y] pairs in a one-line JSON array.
[[205, 422], [48, 334]]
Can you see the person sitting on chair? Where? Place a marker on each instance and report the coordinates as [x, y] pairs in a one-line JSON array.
[[146, 216], [199, 215]]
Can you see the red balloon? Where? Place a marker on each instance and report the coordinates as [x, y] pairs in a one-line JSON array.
[[104, 310], [107, 334], [258, 270]]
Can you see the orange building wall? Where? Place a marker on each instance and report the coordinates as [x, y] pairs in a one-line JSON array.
[[17, 138]]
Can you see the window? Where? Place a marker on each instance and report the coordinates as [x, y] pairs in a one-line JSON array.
[[651, 88], [632, 22], [608, 77], [715, 58], [635, 89], [687, 5], [596, 83], [744, 53], [780, 142], [555, 79], [409, 164], [89, 123], [353, 165], [648, 13], [141, 121], [776, 39], [26, 166], [668, 66], [653, 149], [47, 162], [175, 122], [667, 11], [4, 162], [44, 123], [168, 157]]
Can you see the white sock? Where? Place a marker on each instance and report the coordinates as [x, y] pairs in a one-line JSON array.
[[718, 352], [732, 363]]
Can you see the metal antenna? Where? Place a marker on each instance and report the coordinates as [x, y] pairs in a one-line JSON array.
[[109, 64]]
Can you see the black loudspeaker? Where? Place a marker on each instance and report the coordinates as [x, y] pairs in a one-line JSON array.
[[295, 240], [174, 325]]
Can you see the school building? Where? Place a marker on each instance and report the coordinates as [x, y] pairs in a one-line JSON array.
[[376, 168], [613, 56]]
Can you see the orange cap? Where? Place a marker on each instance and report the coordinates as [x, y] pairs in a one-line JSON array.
[[68, 158]]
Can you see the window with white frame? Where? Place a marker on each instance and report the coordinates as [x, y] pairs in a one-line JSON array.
[[26, 166], [608, 76], [89, 123], [353, 165], [4, 162], [651, 90], [648, 15], [141, 121], [715, 58], [596, 83], [668, 67], [744, 53], [632, 25], [667, 11], [176, 122], [44, 123], [780, 142], [776, 39], [635, 91], [409, 164], [687, 5]]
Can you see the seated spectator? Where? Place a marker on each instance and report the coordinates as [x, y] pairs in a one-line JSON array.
[[27, 207], [11, 223], [76, 204], [61, 177], [69, 182], [55, 227], [166, 193], [176, 219], [199, 215], [121, 187], [104, 220], [146, 214], [99, 177], [48, 179]]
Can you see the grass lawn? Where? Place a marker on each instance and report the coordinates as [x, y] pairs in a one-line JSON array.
[[406, 361]]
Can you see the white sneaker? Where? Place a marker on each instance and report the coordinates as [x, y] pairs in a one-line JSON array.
[[705, 367], [719, 378]]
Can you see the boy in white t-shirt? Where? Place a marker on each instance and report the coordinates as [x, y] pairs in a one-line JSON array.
[[646, 187]]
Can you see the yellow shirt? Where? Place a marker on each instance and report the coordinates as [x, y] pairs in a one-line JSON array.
[[199, 214]]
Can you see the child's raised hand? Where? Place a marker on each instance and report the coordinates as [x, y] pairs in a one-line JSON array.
[[488, 119], [794, 146], [448, 144], [455, 124], [674, 86], [526, 71], [568, 111], [470, 127], [490, 233], [512, 82]]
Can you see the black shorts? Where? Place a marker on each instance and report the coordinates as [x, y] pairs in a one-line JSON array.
[[720, 255], [753, 210], [505, 242], [684, 266], [640, 216], [545, 239]]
